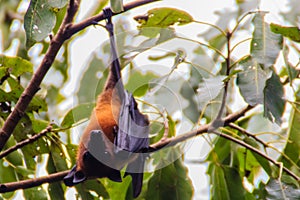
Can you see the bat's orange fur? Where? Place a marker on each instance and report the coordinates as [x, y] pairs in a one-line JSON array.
[[104, 117]]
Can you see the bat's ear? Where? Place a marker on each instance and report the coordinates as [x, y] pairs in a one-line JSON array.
[[74, 177]]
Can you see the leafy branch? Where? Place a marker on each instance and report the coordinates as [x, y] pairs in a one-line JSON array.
[[26, 142], [164, 143], [66, 30], [24, 184], [253, 149]]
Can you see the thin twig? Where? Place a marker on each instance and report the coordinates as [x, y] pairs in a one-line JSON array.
[[25, 142], [91, 21], [218, 122], [24, 184], [166, 131], [203, 44], [243, 131], [203, 129], [213, 26], [253, 149], [265, 145]]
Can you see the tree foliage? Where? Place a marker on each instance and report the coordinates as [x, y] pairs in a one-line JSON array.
[[241, 61]]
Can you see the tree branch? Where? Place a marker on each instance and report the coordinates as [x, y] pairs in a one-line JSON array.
[[25, 142], [91, 21], [65, 31], [218, 121], [265, 145], [9, 187], [34, 84], [243, 131], [253, 149], [203, 129]]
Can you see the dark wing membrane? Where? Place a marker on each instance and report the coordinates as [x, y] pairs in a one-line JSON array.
[[132, 137], [133, 130]]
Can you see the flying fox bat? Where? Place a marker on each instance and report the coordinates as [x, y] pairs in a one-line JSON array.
[[117, 134]]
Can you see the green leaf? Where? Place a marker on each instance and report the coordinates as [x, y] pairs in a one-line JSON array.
[[35, 193], [157, 130], [14, 65], [276, 190], [57, 3], [117, 190], [138, 83], [30, 151], [55, 189], [263, 163], [98, 187], [164, 17], [78, 113], [7, 174], [292, 72], [72, 149], [37, 104], [217, 42], [15, 158], [90, 79], [82, 193], [292, 33], [38, 125], [23, 172], [248, 165], [265, 45], [116, 6], [273, 101], [58, 158], [219, 188], [187, 91], [170, 182], [234, 183], [226, 183], [252, 81], [39, 21], [293, 140], [221, 151], [54, 96], [210, 88]]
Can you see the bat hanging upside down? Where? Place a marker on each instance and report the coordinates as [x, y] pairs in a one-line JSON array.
[[117, 134]]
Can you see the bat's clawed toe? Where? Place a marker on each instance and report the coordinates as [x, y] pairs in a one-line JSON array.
[[74, 177]]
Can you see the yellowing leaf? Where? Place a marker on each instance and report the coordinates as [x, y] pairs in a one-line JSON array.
[[290, 32], [164, 17]]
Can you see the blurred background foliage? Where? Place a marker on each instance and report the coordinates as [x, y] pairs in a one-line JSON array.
[[175, 77]]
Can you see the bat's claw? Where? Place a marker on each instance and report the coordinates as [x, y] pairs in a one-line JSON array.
[[107, 15]]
